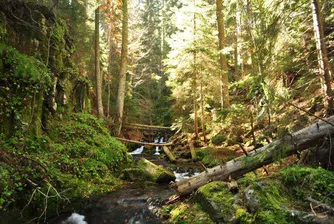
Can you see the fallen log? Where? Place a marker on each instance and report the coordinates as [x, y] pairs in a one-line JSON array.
[[146, 127], [290, 144], [145, 143], [169, 154]]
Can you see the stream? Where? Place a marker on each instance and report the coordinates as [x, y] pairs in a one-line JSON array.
[[137, 203]]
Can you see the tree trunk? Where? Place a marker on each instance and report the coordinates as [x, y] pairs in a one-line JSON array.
[[308, 137], [122, 77], [192, 148], [194, 84], [237, 28], [98, 76], [323, 63], [202, 111], [222, 59]]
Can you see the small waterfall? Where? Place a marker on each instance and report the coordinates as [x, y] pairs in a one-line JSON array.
[[162, 140], [138, 151], [157, 148]]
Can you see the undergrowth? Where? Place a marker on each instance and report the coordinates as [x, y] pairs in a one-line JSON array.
[[76, 160]]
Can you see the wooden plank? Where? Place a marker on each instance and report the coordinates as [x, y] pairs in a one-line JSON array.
[[145, 143]]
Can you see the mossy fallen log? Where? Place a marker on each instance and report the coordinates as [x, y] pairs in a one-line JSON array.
[[290, 144], [157, 173]]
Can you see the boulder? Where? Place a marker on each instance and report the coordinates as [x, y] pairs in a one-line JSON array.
[[216, 199], [154, 172], [252, 202], [135, 174]]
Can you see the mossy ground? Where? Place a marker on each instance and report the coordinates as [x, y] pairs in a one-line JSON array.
[[77, 159], [216, 199], [279, 198]]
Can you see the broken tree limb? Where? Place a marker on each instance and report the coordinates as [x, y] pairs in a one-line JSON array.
[[303, 139], [169, 154], [144, 143], [320, 204]]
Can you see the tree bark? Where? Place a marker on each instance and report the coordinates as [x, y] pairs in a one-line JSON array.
[[308, 137], [323, 63], [236, 36], [192, 149], [194, 84], [222, 58], [98, 76], [122, 78]]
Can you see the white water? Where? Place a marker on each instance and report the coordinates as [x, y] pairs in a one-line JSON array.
[[157, 150], [182, 176], [75, 218], [162, 140], [138, 151]]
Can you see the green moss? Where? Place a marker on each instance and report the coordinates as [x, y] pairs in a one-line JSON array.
[[189, 214], [306, 181], [157, 173], [79, 160], [166, 210], [207, 156], [91, 139], [135, 174], [25, 79], [218, 139], [242, 216], [216, 199], [273, 199], [247, 179]]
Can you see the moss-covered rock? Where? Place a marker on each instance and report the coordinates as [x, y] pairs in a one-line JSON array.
[[135, 174], [303, 182], [267, 201], [216, 199], [156, 173], [183, 213], [279, 198]]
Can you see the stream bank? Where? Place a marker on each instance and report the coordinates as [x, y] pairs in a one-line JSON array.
[[138, 202]]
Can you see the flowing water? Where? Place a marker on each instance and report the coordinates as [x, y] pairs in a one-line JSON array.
[[135, 204]]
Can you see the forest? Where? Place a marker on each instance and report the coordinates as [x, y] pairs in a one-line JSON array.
[[166, 111]]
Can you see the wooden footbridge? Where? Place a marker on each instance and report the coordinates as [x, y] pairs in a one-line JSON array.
[[151, 130]]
